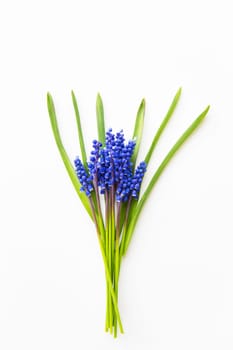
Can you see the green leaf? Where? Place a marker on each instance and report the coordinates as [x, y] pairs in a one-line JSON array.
[[163, 125], [64, 156], [156, 139], [80, 133], [137, 134], [138, 129], [100, 119], [158, 173]]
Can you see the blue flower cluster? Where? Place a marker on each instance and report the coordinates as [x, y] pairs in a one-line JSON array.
[[137, 179], [111, 167], [95, 153], [84, 179]]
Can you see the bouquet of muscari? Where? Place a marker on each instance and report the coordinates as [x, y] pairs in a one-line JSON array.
[[111, 172]]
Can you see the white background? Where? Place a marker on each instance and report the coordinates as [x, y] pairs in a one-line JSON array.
[[176, 284]]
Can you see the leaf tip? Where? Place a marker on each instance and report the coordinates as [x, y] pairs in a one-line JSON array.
[[98, 98], [179, 91], [49, 100], [73, 97], [204, 113]]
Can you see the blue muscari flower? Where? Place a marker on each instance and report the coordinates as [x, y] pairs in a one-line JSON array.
[[104, 171], [125, 173], [84, 178], [112, 166], [95, 154], [110, 160], [137, 179], [117, 155], [115, 165], [110, 140]]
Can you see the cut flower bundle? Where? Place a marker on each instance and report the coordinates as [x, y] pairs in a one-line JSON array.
[[109, 183]]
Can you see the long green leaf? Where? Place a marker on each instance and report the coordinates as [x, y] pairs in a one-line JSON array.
[[158, 173], [163, 125], [137, 135], [64, 156], [138, 129], [100, 119], [156, 139], [80, 133]]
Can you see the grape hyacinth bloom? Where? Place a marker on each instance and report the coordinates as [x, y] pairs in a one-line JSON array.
[[125, 173], [84, 179], [95, 154], [109, 187], [137, 179]]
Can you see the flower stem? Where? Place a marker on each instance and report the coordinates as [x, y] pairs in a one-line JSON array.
[[117, 261], [122, 244], [108, 275], [114, 300], [108, 294], [110, 261], [113, 234], [99, 211]]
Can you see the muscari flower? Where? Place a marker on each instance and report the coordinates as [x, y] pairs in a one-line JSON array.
[[111, 167], [84, 178], [123, 190], [95, 154], [137, 179]]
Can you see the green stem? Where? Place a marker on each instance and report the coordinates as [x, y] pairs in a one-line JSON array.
[[107, 301], [113, 235], [114, 300], [117, 261], [110, 260], [99, 211], [116, 277], [122, 244], [108, 294], [108, 275]]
